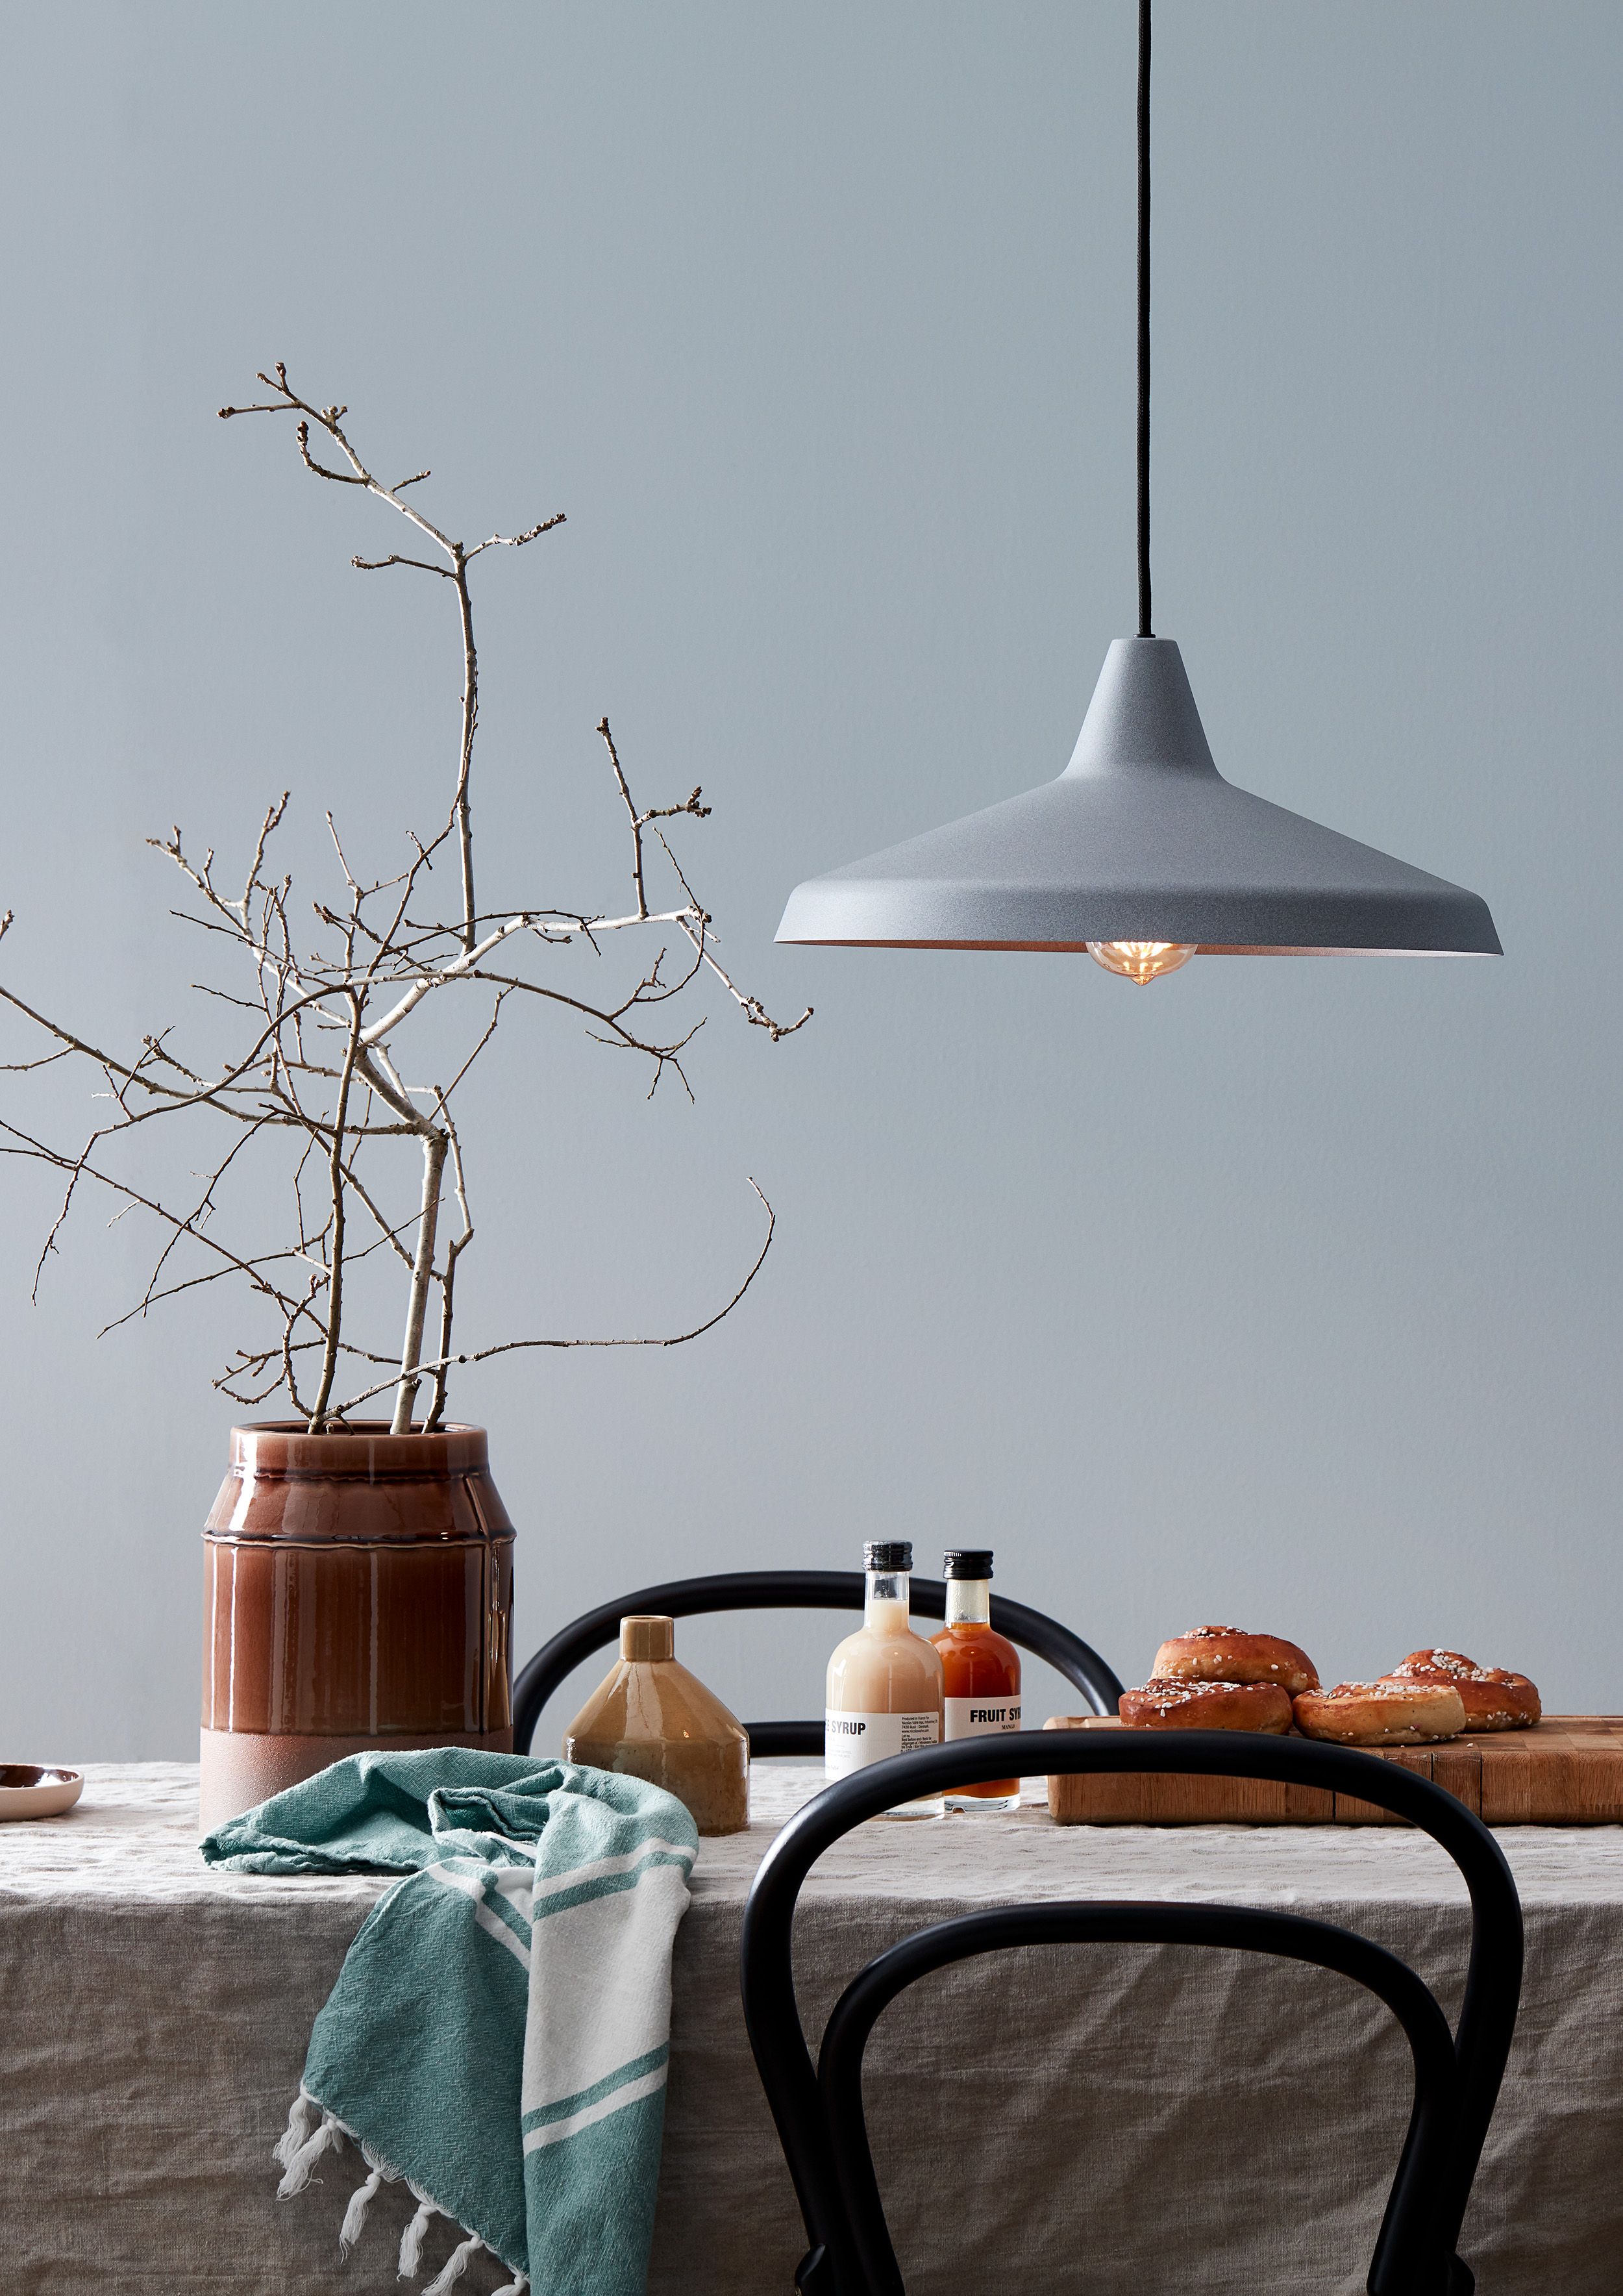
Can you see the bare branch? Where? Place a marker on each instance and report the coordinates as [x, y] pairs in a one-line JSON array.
[[671, 1340], [335, 1266], [751, 1007], [427, 981], [416, 1307], [444, 1097], [514, 541], [376, 565], [373, 960], [454, 1249], [81, 1168], [636, 826]]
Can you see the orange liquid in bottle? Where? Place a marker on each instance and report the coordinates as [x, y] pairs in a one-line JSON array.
[[980, 1683]]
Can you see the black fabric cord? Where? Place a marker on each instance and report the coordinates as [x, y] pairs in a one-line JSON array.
[[1144, 629]]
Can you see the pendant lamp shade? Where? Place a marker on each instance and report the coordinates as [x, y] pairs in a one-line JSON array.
[[1140, 839]]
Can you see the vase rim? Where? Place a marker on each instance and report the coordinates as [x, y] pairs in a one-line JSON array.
[[365, 1451]]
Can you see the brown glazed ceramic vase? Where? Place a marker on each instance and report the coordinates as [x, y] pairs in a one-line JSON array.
[[357, 1593]]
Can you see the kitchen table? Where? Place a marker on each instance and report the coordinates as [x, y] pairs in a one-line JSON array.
[[1116, 2121]]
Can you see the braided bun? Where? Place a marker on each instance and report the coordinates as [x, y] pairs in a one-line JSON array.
[[1170, 1704], [1492, 1699], [1387, 1713], [1225, 1654]]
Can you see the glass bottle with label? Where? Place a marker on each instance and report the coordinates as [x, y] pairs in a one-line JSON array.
[[884, 1682], [980, 1672]]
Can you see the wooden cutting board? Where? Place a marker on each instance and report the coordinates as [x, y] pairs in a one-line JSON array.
[[1566, 1770]]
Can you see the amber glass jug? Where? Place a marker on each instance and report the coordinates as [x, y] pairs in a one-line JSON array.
[[358, 1593]]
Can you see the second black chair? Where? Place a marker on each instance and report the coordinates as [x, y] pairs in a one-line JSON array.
[[791, 1590], [819, 2114]]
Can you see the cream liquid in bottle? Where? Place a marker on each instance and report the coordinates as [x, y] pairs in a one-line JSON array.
[[884, 1682]]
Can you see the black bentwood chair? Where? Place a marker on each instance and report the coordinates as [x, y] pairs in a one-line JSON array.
[[819, 2114], [792, 1590]]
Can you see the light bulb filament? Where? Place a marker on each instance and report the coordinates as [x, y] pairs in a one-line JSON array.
[[1142, 961]]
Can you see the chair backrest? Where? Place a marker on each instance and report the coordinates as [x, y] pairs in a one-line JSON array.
[[791, 1590], [819, 2114]]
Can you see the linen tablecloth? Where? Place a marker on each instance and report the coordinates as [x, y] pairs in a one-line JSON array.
[[1115, 2121]]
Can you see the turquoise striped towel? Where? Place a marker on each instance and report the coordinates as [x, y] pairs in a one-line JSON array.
[[498, 2033]]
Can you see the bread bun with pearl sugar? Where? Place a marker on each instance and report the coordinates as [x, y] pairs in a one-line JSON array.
[[1493, 1698], [1174, 1704], [1382, 1713], [1228, 1654]]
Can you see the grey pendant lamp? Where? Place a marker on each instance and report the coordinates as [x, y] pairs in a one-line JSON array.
[[1140, 853]]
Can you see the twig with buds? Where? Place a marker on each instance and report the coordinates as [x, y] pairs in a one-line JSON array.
[[317, 1071]]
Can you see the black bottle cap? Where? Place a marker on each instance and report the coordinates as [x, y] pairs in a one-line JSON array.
[[888, 1554], [967, 1562]]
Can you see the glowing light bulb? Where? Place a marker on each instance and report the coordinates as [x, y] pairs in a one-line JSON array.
[[1142, 961]]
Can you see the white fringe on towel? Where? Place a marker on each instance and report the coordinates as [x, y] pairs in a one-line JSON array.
[[454, 2266], [355, 2215], [309, 2133], [301, 2121], [302, 2157], [415, 2234]]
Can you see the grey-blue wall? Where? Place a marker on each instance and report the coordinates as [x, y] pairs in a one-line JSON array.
[[1284, 1293]]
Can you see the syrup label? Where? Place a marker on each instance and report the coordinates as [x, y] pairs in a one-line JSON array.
[[850, 1741], [982, 1717]]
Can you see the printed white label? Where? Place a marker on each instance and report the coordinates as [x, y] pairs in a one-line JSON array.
[[850, 1741], [982, 1717]]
